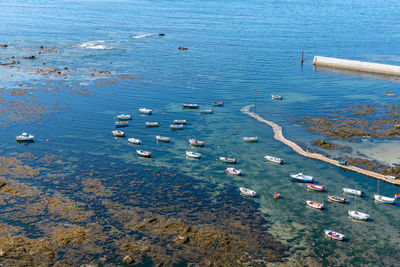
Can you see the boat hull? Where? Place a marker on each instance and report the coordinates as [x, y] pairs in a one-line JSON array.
[[383, 199], [352, 192], [247, 192], [228, 160], [334, 235], [337, 199], [315, 205], [315, 187], [302, 178], [358, 215]]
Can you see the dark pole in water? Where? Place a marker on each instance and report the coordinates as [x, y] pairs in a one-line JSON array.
[[302, 54], [255, 102]]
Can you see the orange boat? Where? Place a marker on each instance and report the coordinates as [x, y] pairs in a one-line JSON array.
[[276, 195]]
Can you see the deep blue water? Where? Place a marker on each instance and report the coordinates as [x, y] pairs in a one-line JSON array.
[[233, 47]]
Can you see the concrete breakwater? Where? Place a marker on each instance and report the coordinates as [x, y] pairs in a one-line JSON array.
[[355, 65], [278, 135]]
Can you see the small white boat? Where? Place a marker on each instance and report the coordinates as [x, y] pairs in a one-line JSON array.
[[118, 133], [302, 178], [160, 138], [247, 192], [358, 215], [315, 187], [276, 97], [274, 159], [194, 142], [334, 235], [383, 199], [391, 177], [121, 123], [124, 117], [193, 154], [206, 111], [152, 124], [180, 121], [25, 137], [134, 141], [176, 127], [145, 111], [190, 106], [250, 139], [337, 199], [352, 192], [217, 104], [143, 153], [233, 171], [228, 160], [315, 205]]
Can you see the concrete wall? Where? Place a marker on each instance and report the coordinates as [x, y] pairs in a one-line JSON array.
[[355, 65]]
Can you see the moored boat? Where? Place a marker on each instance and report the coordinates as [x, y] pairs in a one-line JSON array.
[[25, 137], [233, 171], [337, 199], [276, 97], [176, 127], [193, 154], [228, 160], [118, 133], [145, 111], [143, 153], [206, 111], [194, 142], [352, 192], [180, 121], [190, 106], [152, 124], [383, 199], [121, 123], [134, 141], [247, 192], [276, 195], [250, 139], [358, 215], [302, 178], [315, 187], [334, 235], [274, 159], [396, 195], [217, 104], [160, 138], [124, 117], [391, 177], [315, 205]]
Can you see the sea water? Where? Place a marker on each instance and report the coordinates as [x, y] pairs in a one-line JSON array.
[[233, 48]]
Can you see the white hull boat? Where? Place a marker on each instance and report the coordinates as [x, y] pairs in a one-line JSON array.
[[152, 124], [247, 192], [337, 199], [250, 139], [276, 97], [315, 205], [25, 137], [352, 192], [334, 235], [134, 141], [192, 154], [206, 111], [117, 133], [302, 178], [145, 111], [176, 127], [383, 199], [194, 142], [315, 187], [190, 106], [233, 171], [180, 121], [358, 215], [121, 123], [217, 104], [143, 153], [228, 160], [391, 177], [124, 117], [160, 138], [274, 159]]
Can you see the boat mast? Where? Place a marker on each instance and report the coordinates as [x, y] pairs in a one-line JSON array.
[[255, 102]]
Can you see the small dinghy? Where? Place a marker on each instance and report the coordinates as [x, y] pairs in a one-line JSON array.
[[192, 154], [121, 123], [276, 195], [383, 199], [134, 141], [315, 187], [124, 117], [228, 160], [337, 199], [217, 104], [334, 235], [276, 97], [302, 178], [190, 106], [391, 177], [233, 171], [274, 159], [315, 205], [118, 133], [358, 215], [145, 111], [247, 192], [25, 137], [352, 192], [194, 142], [160, 138], [152, 124], [143, 153], [180, 122], [176, 127], [206, 111], [250, 139]]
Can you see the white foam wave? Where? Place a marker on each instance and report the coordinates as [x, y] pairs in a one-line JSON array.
[[99, 44], [143, 35]]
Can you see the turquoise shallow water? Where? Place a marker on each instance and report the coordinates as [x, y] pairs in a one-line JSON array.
[[233, 47]]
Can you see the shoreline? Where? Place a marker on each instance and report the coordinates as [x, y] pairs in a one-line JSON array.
[[278, 135]]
